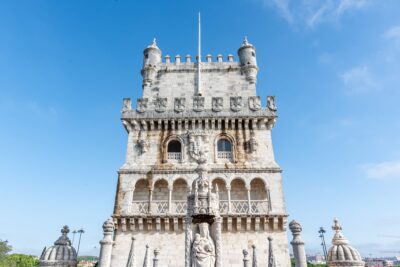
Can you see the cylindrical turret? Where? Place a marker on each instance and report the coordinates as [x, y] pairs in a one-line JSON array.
[[151, 55], [248, 62], [151, 58], [247, 53]]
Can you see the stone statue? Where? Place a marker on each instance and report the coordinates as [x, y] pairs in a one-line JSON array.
[[203, 248]]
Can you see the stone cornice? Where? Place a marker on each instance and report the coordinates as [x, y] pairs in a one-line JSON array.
[[191, 114], [190, 171]]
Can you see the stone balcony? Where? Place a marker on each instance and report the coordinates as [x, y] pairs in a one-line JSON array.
[[236, 207]]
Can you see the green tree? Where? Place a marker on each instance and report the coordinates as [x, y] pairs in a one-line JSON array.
[[4, 249], [22, 260]]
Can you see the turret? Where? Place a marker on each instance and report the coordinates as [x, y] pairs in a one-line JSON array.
[[151, 59], [248, 62]]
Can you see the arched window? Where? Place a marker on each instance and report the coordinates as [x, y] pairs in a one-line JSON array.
[[174, 150], [224, 149]]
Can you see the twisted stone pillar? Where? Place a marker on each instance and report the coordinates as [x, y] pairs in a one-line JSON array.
[[218, 242], [188, 240], [106, 243], [298, 245]]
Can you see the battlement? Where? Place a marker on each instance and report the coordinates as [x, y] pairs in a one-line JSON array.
[[188, 59]]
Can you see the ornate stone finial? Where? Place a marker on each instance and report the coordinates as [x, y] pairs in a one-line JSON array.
[[63, 240], [245, 41], [108, 226], [155, 259], [338, 238], [295, 227], [245, 258]]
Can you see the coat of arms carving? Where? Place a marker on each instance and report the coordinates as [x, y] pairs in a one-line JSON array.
[[217, 103], [160, 104], [141, 105], [271, 103], [236, 103], [198, 103], [179, 104], [254, 103]]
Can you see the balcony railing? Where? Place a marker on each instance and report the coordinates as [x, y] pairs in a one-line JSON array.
[[224, 154], [180, 207], [174, 155], [140, 207]]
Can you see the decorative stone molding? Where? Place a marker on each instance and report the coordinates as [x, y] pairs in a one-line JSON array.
[[236, 103], [198, 103], [142, 105], [179, 104], [271, 103], [160, 104], [254, 103], [217, 104]]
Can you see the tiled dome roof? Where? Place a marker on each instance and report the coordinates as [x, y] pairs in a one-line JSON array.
[[341, 253], [61, 253]]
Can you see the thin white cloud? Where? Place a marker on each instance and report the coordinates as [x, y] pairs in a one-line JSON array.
[[393, 34], [382, 170], [313, 12], [359, 80], [283, 8], [346, 5]]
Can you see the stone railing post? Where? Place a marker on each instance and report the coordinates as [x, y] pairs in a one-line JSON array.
[[106, 244]]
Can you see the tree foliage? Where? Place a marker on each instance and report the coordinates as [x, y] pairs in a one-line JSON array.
[[15, 260]]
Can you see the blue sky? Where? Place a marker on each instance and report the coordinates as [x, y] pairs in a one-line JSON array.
[[334, 67]]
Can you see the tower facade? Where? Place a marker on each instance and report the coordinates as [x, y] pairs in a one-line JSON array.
[[200, 167]]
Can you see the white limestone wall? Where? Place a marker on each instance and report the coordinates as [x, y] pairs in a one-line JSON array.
[[218, 80], [172, 248], [157, 139]]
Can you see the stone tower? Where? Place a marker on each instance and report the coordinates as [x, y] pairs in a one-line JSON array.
[[199, 170]]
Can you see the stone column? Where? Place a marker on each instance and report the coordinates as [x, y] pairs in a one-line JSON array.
[[188, 240], [245, 258], [298, 244], [150, 200], [106, 244], [218, 242], [248, 200], [169, 200], [228, 189]]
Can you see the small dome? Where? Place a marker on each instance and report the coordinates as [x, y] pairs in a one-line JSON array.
[[153, 45], [341, 253], [62, 253]]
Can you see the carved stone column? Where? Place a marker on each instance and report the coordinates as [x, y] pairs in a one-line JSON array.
[[106, 244], [218, 242], [228, 189], [150, 200], [169, 199], [298, 245], [248, 200], [188, 240]]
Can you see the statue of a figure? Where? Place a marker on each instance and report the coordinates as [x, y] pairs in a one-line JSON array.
[[203, 248]]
